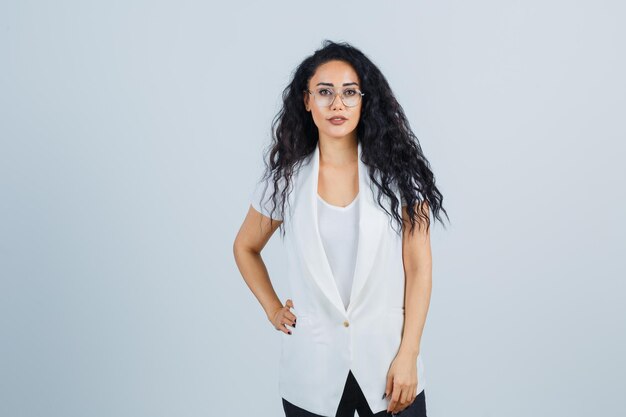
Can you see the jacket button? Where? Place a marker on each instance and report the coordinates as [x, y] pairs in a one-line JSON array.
[[346, 324]]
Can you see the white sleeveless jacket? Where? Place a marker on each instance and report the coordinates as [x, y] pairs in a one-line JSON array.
[[328, 340]]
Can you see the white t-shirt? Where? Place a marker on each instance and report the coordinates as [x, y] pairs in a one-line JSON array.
[[339, 230], [261, 194], [339, 227]]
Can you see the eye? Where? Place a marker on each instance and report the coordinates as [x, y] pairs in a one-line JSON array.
[[324, 92], [349, 92]]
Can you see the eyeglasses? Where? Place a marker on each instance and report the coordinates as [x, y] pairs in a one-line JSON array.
[[324, 97]]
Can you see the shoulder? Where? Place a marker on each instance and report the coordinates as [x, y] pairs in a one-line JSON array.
[[267, 193], [262, 196]]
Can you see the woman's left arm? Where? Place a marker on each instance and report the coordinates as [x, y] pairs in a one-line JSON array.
[[417, 259], [402, 375]]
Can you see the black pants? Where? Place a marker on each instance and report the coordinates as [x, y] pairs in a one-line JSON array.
[[353, 399]]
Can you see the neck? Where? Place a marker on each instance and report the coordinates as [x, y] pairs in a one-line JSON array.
[[338, 151]]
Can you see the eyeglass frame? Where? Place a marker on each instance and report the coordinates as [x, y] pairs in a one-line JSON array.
[[340, 96]]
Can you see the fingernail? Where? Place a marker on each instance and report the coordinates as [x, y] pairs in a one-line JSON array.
[[384, 395], [288, 332], [294, 324]]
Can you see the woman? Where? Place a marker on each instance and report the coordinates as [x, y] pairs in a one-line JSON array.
[[343, 164]]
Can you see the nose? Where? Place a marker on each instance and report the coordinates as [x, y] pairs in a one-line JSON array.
[[337, 102]]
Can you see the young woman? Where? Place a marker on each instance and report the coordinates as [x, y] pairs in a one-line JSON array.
[[347, 182]]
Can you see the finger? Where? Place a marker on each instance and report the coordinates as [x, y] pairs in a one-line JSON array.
[[388, 386], [291, 317], [284, 329], [406, 397], [292, 321], [400, 403], [281, 323], [288, 306], [287, 321], [409, 395], [395, 395], [404, 400], [287, 317]]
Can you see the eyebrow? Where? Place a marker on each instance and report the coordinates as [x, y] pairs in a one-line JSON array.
[[332, 85]]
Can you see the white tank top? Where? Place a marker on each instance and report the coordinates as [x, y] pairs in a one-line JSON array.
[[339, 228]]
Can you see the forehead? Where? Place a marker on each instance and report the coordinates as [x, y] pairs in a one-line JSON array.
[[335, 72]]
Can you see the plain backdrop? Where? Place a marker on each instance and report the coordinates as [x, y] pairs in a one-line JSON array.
[[132, 135]]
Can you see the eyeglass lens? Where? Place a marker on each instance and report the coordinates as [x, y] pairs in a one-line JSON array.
[[325, 96]]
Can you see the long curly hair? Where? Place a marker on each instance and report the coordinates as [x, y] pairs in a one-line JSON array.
[[389, 148]]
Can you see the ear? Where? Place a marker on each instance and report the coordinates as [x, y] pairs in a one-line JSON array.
[[306, 100]]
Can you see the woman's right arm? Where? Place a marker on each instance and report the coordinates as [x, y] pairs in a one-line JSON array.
[[252, 237]]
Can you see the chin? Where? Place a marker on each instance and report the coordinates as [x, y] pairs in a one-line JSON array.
[[338, 135], [340, 131]]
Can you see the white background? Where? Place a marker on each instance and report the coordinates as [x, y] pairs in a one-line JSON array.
[[130, 138]]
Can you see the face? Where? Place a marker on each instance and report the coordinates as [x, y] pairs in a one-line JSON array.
[[337, 76]]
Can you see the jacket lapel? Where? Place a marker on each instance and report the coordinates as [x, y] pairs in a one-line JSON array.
[[371, 223]]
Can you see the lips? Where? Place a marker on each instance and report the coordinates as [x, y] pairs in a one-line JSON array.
[[337, 120]]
